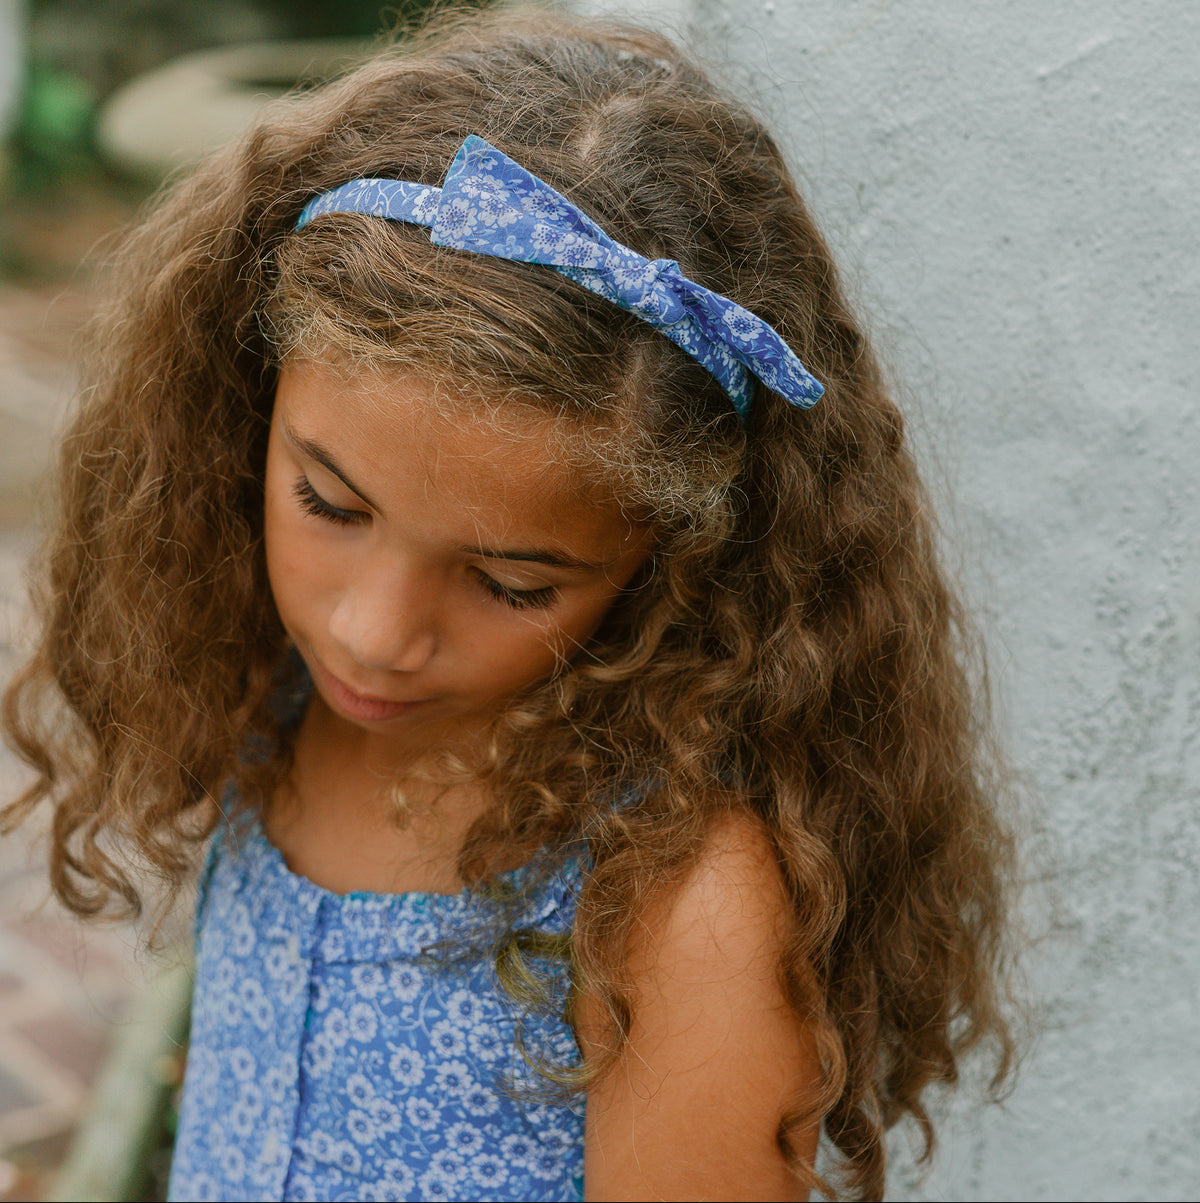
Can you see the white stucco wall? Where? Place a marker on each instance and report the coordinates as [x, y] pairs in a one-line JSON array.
[[1012, 189]]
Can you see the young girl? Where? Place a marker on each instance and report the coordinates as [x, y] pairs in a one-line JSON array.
[[487, 521]]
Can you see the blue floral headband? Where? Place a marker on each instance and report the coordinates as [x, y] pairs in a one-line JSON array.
[[492, 206]]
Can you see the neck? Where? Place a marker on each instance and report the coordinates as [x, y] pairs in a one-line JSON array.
[[360, 813]]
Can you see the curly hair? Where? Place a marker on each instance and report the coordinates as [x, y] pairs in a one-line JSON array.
[[793, 650]]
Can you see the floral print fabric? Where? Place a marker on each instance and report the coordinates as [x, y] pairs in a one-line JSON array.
[[333, 1057], [491, 205]]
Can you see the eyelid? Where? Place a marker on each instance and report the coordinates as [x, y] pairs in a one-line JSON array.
[[501, 569], [542, 598], [306, 453], [312, 503]]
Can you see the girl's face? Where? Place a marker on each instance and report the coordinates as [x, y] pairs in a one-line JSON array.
[[427, 566]]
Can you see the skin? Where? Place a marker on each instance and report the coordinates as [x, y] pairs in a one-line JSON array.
[[428, 567], [399, 544], [716, 1055]]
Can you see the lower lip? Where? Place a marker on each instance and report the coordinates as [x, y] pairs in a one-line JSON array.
[[370, 710]]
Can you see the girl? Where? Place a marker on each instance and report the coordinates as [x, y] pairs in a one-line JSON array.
[[452, 527]]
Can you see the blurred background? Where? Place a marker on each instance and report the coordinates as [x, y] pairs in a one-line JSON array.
[[100, 100]]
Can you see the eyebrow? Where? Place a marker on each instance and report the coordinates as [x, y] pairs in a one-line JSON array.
[[315, 451]]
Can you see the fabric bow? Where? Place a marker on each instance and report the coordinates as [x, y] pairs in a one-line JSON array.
[[490, 205]]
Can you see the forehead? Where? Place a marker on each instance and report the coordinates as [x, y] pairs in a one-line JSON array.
[[501, 463]]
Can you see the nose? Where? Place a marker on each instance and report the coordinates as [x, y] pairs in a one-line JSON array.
[[385, 619]]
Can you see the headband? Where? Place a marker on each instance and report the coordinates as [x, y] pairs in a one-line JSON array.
[[491, 205]]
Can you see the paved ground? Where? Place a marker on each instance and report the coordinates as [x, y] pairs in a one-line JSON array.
[[65, 989]]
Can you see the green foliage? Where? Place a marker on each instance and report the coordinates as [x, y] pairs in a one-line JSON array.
[[52, 138]]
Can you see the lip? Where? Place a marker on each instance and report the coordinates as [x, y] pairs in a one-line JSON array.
[[363, 707]]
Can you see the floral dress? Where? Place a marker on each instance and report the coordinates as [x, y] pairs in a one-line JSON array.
[[335, 1054]]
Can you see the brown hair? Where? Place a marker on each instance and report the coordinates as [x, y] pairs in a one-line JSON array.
[[793, 650]]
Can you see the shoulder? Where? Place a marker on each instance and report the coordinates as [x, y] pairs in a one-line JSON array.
[[715, 1056], [731, 902], [707, 951], [738, 869]]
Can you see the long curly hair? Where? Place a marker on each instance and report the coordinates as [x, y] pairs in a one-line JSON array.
[[792, 650]]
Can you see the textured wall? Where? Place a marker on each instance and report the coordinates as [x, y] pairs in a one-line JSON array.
[[1012, 189]]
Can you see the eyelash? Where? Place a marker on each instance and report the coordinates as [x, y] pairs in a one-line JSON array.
[[519, 599], [313, 504]]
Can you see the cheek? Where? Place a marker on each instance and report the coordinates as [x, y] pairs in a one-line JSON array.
[[277, 540], [590, 613], [294, 567], [564, 638], [505, 656]]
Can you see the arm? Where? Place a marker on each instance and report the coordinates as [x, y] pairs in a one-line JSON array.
[[716, 1054]]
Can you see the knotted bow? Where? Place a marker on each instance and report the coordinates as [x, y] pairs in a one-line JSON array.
[[490, 205]]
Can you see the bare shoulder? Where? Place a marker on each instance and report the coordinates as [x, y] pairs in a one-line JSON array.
[[732, 902], [716, 1054], [738, 872]]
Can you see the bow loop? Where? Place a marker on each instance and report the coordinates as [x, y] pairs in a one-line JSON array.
[[491, 209]]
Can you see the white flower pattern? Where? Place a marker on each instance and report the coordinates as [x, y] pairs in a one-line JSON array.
[[331, 1059], [490, 205]]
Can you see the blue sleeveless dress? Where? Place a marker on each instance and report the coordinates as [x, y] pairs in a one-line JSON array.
[[333, 1057]]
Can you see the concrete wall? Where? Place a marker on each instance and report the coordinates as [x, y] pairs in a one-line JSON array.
[[1012, 189]]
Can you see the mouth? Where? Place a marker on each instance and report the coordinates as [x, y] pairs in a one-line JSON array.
[[363, 707]]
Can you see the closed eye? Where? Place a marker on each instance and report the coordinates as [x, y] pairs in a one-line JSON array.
[[519, 599], [311, 502]]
